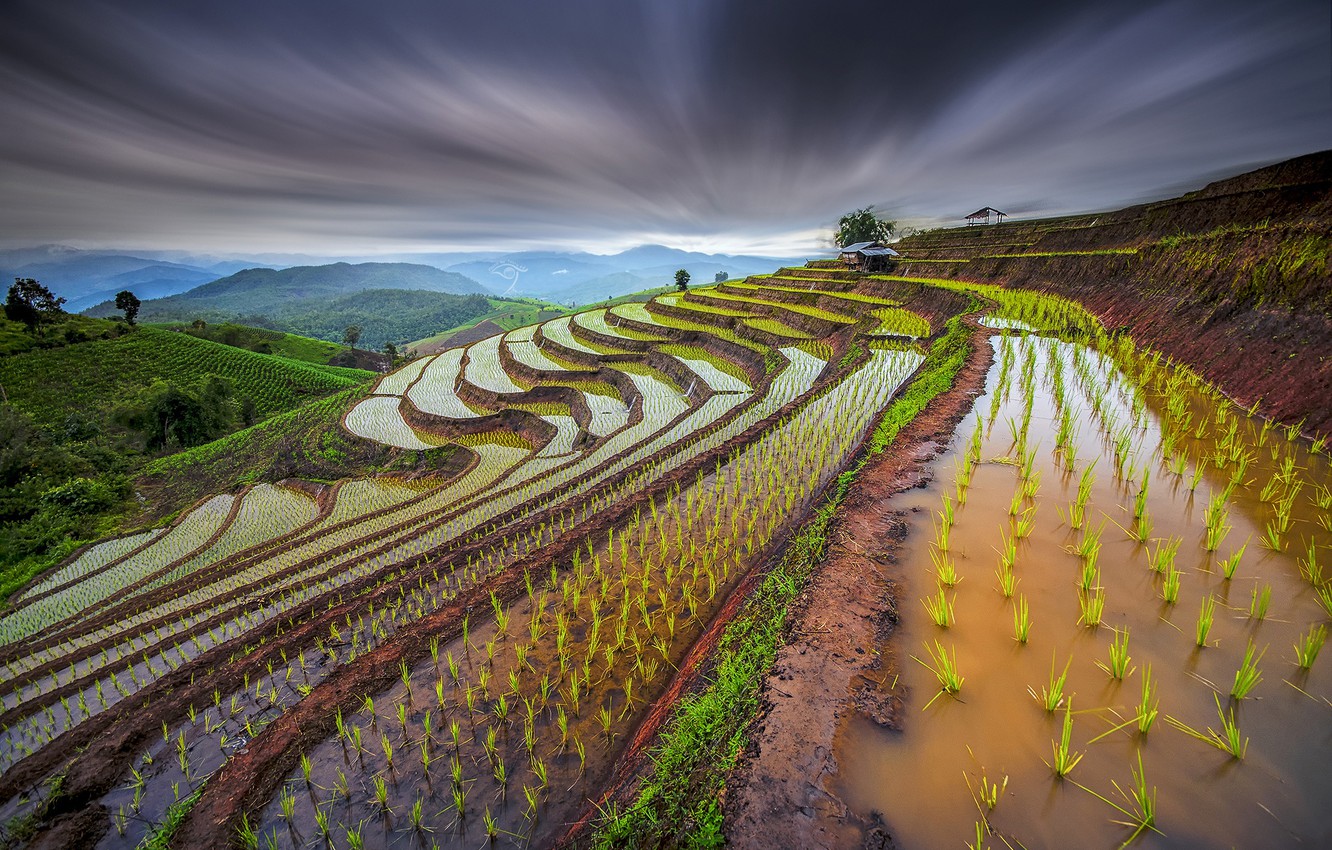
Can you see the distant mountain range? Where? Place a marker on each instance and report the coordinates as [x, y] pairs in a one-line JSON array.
[[392, 302], [85, 278], [580, 278], [88, 277]]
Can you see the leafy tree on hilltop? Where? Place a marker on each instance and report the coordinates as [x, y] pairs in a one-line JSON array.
[[127, 301], [721, 277], [682, 280], [863, 226], [351, 335], [32, 304]]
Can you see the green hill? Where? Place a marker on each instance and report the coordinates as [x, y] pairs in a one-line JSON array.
[[82, 417], [93, 377], [281, 344], [392, 302]]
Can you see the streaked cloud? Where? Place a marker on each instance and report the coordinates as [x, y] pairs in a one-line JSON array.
[[344, 127]]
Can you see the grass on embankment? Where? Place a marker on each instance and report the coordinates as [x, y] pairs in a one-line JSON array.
[[677, 804]]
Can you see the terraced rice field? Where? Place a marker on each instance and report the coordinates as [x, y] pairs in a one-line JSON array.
[[455, 658], [482, 659]]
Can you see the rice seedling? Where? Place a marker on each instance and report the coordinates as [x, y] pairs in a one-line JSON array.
[[1065, 758], [1007, 579], [1015, 504], [1162, 558], [940, 609], [1023, 528], [1231, 564], [1260, 601], [1092, 607], [1142, 528], [1148, 704], [1143, 802], [988, 793], [1248, 675], [1021, 620], [1218, 526], [1310, 569], [1309, 645], [1228, 740], [1090, 576], [1272, 537], [944, 568], [981, 832], [1170, 586], [1052, 694], [1205, 616], [944, 668], [1140, 499], [1118, 665]]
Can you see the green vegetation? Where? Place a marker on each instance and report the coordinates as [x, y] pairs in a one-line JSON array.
[[15, 338], [863, 225], [708, 730], [263, 341], [72, 446], [98, 375], [160, 837]]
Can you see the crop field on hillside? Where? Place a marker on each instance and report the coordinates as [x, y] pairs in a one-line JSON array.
[[450, 652], [482, 658], [95, 374]]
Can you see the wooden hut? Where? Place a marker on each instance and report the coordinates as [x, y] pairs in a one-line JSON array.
[[869, 256], [982, 216]]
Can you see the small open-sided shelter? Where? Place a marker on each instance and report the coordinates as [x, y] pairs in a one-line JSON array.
[[982, 216], [869, 256]]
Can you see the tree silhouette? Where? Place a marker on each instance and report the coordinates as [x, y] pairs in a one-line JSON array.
[[126, 300], [32, 304], [682, 280]]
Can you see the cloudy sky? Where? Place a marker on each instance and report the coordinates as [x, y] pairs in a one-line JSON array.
[[351, 127]]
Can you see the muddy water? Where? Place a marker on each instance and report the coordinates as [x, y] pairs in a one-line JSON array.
[[1279, 794]]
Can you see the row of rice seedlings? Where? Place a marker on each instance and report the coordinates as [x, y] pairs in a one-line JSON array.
[[353, 650], [776, 471]]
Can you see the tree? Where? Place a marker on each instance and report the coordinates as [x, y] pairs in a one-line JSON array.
[[682, 280], [863, 226], [32, 304], [351, 335], [391, 351], [126, 300], [721, 277]]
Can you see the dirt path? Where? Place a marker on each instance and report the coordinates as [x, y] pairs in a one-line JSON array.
[[825, 673]]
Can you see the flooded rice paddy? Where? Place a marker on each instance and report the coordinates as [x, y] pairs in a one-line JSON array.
[[1117, 508]]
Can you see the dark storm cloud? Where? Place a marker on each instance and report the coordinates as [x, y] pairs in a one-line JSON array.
[[356, 126]]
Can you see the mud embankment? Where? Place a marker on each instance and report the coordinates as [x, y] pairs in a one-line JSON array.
[[824, 673]]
